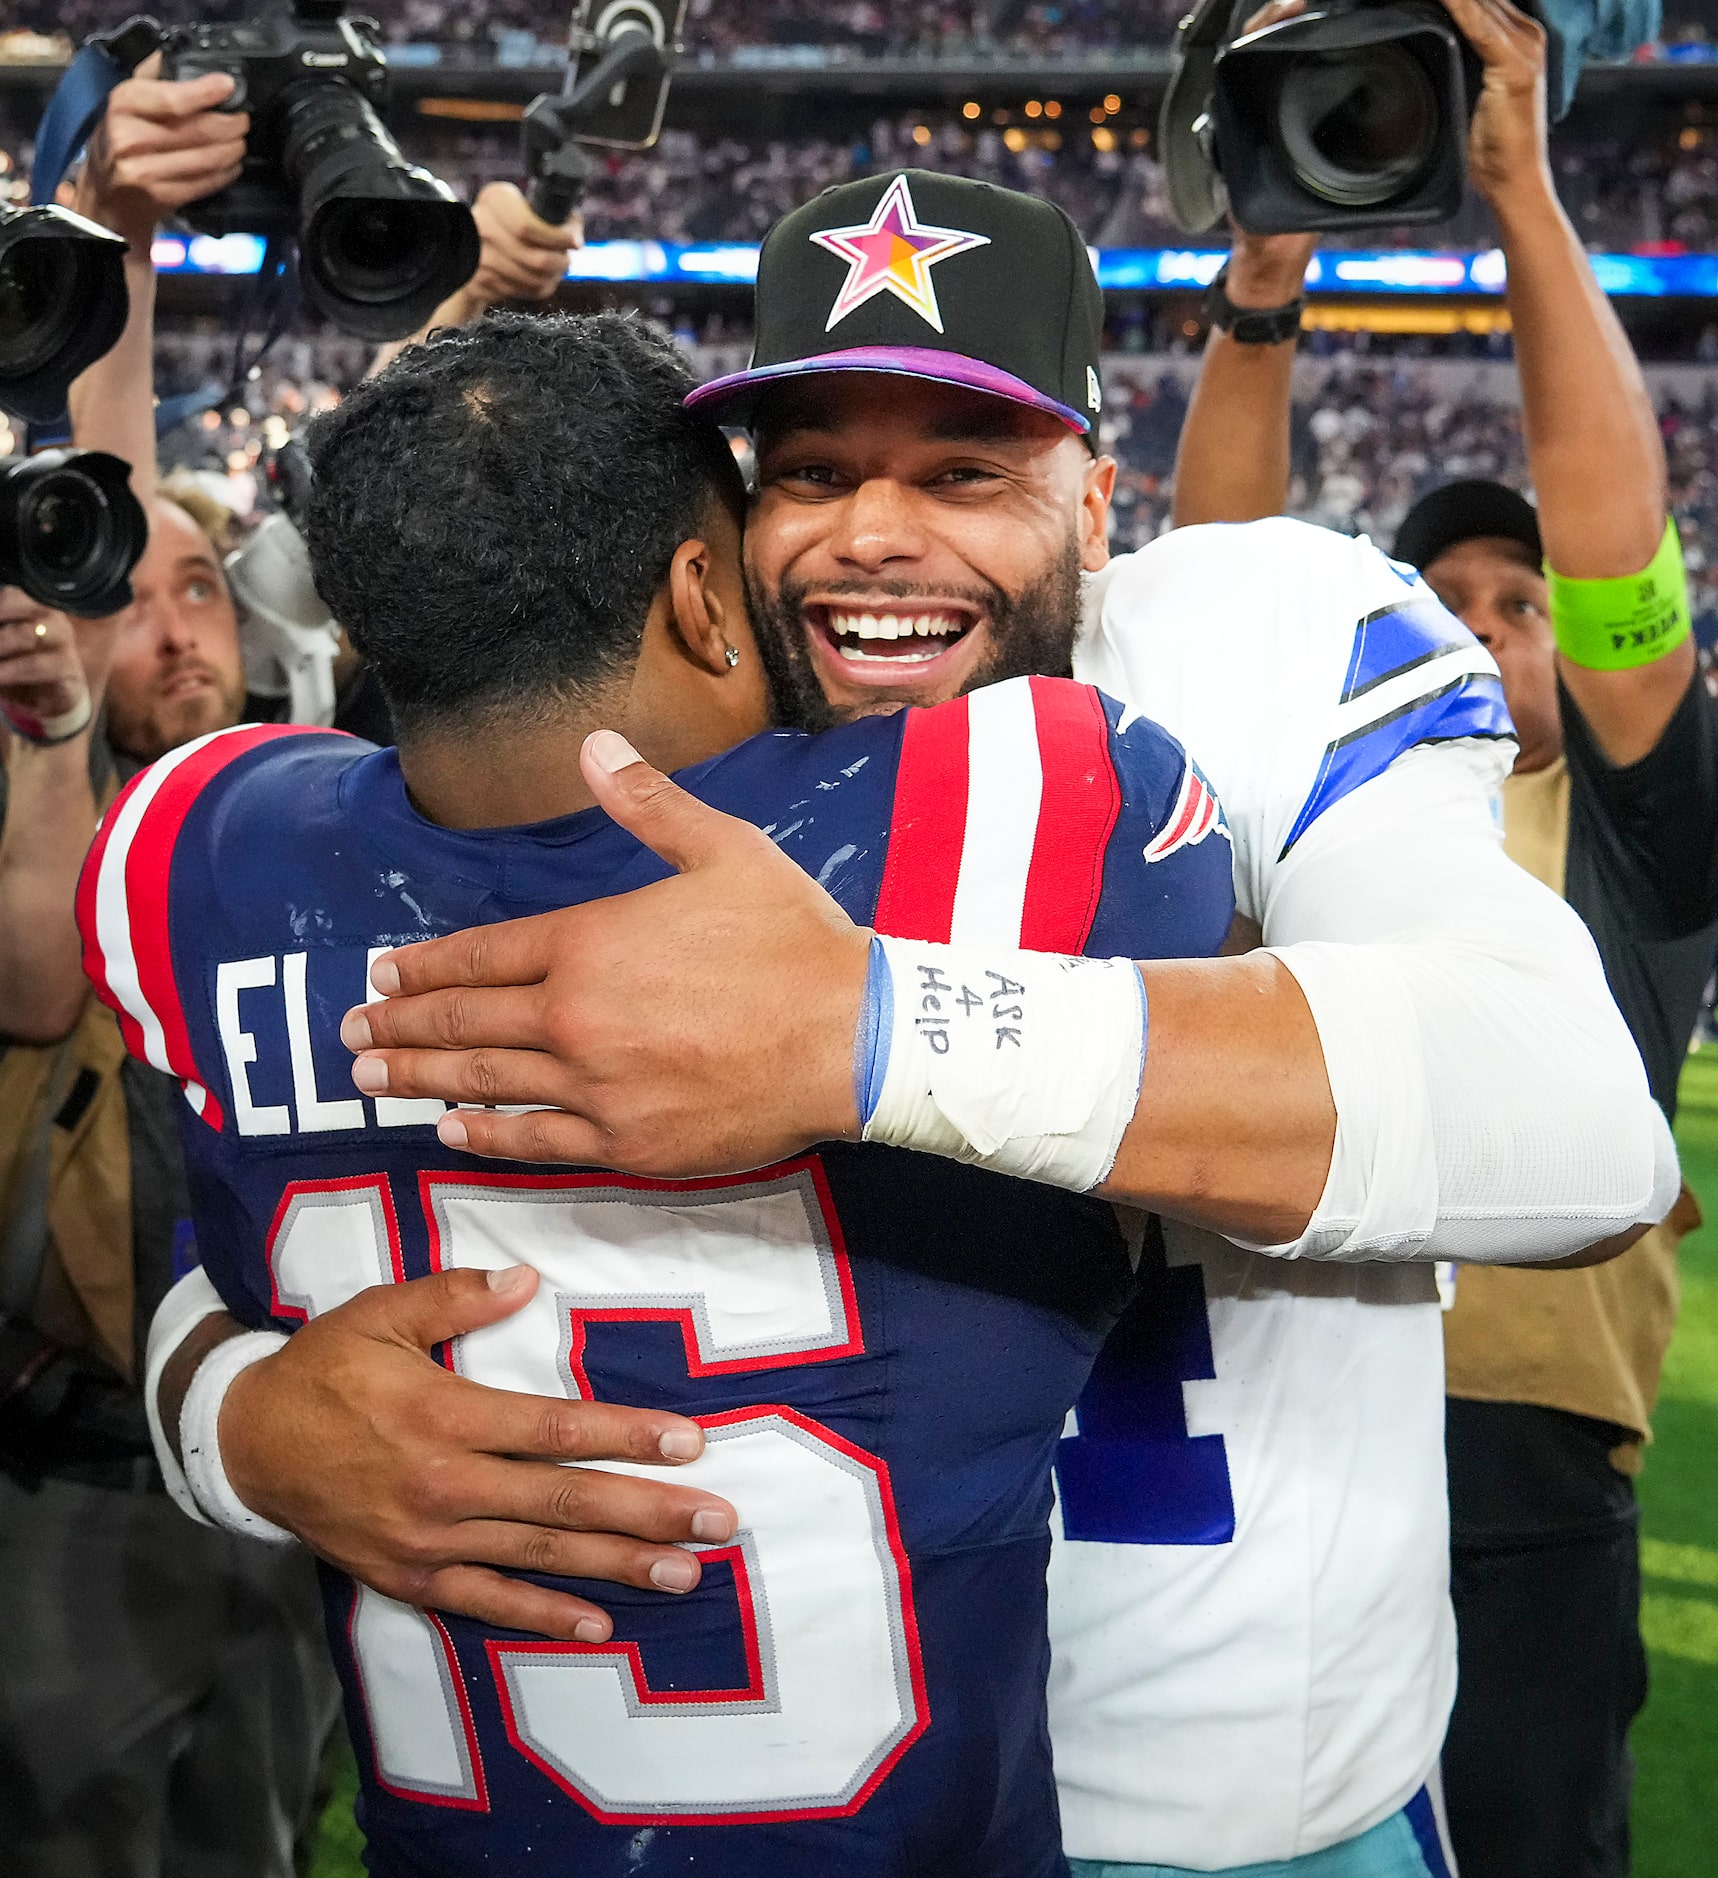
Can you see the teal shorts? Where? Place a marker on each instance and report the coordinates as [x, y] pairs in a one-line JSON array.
[[1406, 1845]]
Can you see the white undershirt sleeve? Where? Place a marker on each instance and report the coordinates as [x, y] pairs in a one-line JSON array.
[[1491, 1104], [191, 1300]]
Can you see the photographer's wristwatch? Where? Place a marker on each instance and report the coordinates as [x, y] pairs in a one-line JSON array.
[[1251, 326]]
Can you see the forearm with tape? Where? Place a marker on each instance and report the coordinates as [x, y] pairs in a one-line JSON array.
[[1615, 625], [1027, 1063]]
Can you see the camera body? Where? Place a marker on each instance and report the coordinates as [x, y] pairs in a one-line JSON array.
[[265, 58], [381, 241], [1351, 115]]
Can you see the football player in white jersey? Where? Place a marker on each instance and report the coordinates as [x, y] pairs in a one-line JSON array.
[[1255, 1658]]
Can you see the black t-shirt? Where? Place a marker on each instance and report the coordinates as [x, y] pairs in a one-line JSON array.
[[1642, 872]]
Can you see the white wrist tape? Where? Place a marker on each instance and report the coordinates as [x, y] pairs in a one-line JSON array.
[[199, 1440], [1027, 1063], [192, 1299], [48, 730]]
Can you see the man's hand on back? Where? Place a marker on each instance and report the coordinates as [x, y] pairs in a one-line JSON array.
[[421, 1483], [701, 1025]]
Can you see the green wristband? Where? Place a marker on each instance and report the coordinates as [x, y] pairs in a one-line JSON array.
[[1613, 625]]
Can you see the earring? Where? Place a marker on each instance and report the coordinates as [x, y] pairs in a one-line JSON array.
[[732, 656]]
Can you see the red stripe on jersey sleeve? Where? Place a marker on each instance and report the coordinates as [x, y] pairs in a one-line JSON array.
[[927, 830], [1076, 817]]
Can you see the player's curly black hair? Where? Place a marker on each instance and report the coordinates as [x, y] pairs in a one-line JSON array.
[[492, 515]]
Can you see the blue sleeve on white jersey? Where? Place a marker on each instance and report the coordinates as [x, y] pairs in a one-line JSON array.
[[1383, 713]]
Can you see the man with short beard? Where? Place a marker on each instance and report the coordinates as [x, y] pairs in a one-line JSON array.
[[1254, 1656]]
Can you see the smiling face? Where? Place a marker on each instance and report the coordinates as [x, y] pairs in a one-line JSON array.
[[177, 672], [910, 541]]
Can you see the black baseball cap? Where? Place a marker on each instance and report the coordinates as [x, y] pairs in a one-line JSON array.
[[1461, 512], [921, 275]]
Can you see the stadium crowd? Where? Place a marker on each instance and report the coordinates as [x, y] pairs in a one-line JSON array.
[[964, 30]]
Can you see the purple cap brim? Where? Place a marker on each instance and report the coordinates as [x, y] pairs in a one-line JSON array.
[[738, 390]]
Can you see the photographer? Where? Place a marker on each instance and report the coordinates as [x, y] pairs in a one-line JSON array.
[[1614, 804], [164, 1693]]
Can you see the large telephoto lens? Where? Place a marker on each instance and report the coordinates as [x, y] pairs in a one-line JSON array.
[[71, 530], [1358, 127], [381, 242], [62, 305]]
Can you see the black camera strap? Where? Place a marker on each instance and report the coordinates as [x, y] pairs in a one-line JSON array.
[[271, 300]]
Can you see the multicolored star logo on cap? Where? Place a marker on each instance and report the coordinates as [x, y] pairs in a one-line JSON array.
[[894, 253]]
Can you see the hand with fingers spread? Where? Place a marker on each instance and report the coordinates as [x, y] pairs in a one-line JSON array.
[[700, 1025], [423, 1484], [160, 144]]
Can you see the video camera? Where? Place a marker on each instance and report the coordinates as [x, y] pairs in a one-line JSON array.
[[381, 242], [71, 530], [619, 65], [1352, 115]]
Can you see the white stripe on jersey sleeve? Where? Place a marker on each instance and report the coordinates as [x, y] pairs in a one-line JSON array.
[[1391, 695], [1005, 786]]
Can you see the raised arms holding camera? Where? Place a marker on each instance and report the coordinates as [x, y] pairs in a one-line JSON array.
[[1596, 458]]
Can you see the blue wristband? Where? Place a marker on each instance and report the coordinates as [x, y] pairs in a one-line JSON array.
[[871, 1040]]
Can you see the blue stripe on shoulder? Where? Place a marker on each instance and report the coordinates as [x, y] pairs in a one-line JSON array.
[[1397, 638], [1469, 706]]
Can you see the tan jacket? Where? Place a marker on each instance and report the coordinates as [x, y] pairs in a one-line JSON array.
[[1591, 1342], [87, 1296]]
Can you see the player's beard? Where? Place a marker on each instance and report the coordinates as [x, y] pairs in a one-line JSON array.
[[1031, 633]]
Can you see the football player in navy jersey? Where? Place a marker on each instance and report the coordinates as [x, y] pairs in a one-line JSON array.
[[880, 1347]]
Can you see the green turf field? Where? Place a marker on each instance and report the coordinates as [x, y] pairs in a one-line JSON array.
[[1676, 1739]]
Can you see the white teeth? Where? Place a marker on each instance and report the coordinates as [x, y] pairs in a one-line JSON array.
[[893, 626]]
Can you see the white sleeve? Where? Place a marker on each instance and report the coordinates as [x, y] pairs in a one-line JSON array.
[[192, 1299], [1491, 1104]]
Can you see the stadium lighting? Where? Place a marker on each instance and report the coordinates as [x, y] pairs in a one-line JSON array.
[[1034, 107], [971, 109], [1053, 107], [1112, 104]]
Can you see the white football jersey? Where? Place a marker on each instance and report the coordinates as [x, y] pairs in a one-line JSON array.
[[1253, 1648]]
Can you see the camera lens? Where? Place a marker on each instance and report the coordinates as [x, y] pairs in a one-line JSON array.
[[37, 281], [382, 242], [61, 527], [1358, 127], [70, 529], [379, 252], [62, 305]]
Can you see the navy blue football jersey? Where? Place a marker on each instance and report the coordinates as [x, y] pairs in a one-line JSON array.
[[883, 1347]]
